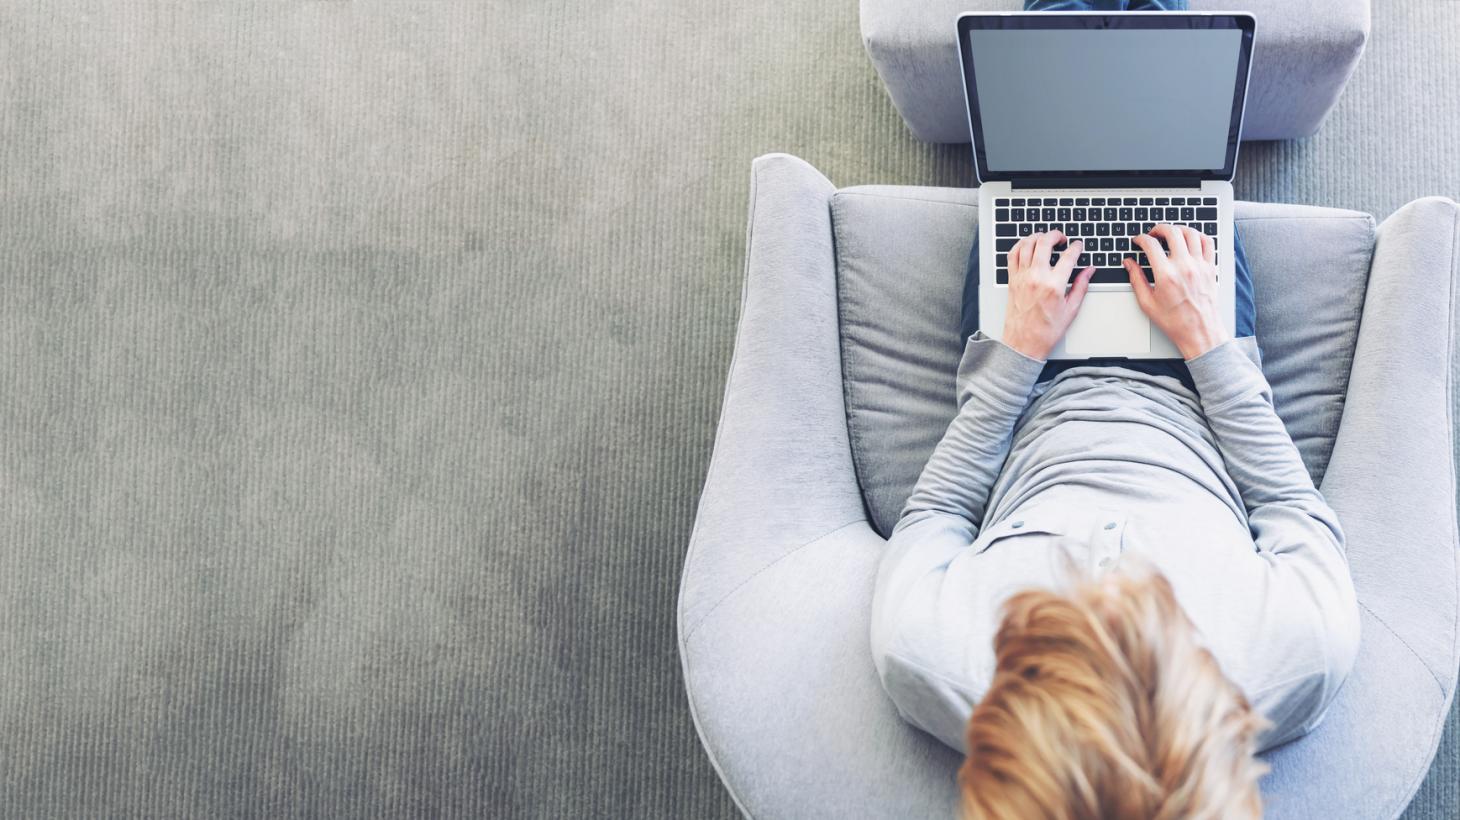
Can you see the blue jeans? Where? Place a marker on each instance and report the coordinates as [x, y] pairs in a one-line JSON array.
[[1246, 310]]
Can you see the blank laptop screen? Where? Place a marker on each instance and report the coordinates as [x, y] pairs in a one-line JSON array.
[[1105, 100]]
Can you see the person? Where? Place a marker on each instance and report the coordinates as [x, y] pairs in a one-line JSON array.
[[1093, 469], [1114, 583]]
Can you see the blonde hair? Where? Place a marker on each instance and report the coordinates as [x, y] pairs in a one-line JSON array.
[[1104, 704]]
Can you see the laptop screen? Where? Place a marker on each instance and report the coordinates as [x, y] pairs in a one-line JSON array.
[[1086, 100]]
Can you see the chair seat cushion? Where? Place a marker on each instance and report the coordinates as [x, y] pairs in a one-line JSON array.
[[901, 254]]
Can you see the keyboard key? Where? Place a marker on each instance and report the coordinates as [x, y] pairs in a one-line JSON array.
[[1131, 229], [1107, 244], [1161, 200], [1178, 200], [1102, 229], [1002, 277], [1082, 262], [1206, 213], [1002, 260], [1122, 244], [1018, 203], [1126, 214], [1188, 214], [1079, 215], [1040, 227], [1071, 229], [1018, 215], [1146, 228], [1082, 201], [1005, 230], [1210, 229], [1024, 229], [1211, 200], [1064, 215], [1110, 276], [1142, 214], [1060, 247], [1097, 201], [1173, 214], [1087, 229], [1048, 215], [1145, 200], [1067, 202], [1002, 244], [1033, 203], [1001, 203], [1001, 214], [1099, 260]]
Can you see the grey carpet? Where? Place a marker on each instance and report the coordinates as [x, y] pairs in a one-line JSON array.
[[361, 366]]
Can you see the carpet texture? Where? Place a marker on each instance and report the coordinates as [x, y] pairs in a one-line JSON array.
[[361, 366]]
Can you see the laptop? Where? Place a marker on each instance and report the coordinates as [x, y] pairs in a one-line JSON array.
[[1102, 126]]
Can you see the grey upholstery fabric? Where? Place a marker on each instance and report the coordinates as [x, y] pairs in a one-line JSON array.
[[1305, 51], [777, 583], [900, 259], [781, 539]]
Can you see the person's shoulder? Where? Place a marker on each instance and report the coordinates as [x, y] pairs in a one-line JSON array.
[[929, 696], [1309, 652]]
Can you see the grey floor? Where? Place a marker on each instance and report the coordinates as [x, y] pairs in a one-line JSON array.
[[361, 366]]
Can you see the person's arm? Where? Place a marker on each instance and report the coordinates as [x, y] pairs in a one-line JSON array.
[[1294, 530], [994, 382], [943, 515], [940, 521]]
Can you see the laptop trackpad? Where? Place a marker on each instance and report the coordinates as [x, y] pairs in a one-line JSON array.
[[1109, 323]]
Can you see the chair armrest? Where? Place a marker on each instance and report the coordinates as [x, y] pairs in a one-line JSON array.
[[1392, 475], [781, 474]]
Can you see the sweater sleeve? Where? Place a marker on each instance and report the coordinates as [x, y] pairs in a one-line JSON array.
[[994, 382], [1293, 528], [942, 516]]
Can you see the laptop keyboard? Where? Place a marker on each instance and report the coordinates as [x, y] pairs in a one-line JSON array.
[[1106, 224]]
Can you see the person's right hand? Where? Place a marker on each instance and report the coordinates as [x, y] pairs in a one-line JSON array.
[[1183, 301]]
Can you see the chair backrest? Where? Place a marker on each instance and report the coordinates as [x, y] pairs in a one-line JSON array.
[[901, 253]]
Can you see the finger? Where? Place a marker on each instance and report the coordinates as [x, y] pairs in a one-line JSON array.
[[1193, 241], [1208, 249], [1067, 259], [1045, 246], [1175, 242], [1154, 253], [1078, 290], [1016, 253], [1138, 281]]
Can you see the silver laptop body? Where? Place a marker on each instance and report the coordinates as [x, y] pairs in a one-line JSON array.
[[1102, 125]]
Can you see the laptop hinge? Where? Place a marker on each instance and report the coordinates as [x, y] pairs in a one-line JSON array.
[[1095, 181]]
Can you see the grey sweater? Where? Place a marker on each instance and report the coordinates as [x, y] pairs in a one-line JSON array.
[[1096, 464]]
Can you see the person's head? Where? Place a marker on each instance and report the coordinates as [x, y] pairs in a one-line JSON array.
[[1104, 704]]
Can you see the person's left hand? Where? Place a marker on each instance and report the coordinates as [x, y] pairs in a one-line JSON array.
[[1039, 311]]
